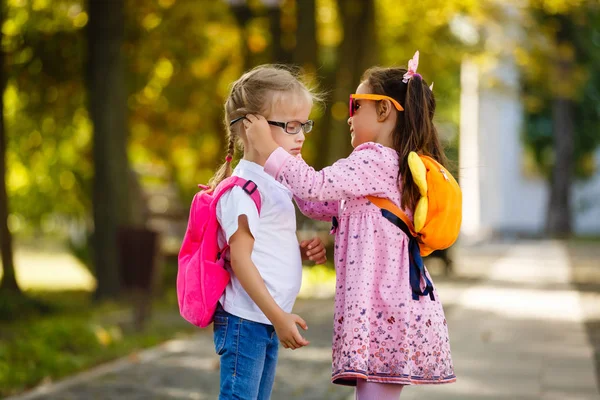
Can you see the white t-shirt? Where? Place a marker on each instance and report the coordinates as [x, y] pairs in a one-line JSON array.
[[276, 252]]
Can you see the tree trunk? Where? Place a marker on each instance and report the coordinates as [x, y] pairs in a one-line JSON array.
[[9, 281], [279, 53], [108, 107], [559, 210], [358, 52], [243, 14], [306, 53]]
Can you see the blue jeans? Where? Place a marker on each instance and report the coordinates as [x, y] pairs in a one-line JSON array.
[[248, 353]]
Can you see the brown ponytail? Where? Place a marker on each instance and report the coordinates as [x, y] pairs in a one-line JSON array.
[[414, 130]]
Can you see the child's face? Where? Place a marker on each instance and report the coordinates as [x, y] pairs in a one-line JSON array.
[[364, 126], [290, 110]]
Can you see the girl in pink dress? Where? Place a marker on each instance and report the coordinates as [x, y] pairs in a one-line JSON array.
[[388, 332]]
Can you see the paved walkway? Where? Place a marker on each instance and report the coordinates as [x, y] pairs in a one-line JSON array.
[[516, 326]]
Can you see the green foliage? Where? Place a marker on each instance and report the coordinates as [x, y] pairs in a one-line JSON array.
[[74, 337], [181, 57], [46, 121], [561, 30]]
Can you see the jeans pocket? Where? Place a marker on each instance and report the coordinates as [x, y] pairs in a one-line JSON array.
[[220, 333]]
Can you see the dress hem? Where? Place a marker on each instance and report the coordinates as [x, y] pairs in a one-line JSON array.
[[349, 379]]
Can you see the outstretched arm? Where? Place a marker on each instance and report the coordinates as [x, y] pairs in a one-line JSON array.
[[362, 173], [319, 210]]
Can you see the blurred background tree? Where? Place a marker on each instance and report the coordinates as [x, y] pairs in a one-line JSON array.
[[561, 68], [112, 118], [9, 281]]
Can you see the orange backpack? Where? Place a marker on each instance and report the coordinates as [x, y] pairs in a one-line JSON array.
[[438, 214]]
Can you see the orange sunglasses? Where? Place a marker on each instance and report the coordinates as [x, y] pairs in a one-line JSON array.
[[352, 105]]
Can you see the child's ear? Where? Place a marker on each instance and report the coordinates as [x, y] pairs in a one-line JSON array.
[[384, 109]]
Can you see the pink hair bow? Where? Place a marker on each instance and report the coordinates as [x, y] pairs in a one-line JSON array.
[[413, 64]]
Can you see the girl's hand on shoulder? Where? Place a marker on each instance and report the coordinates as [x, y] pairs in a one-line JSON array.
[[313, 250], [259, 135], [286, 327]]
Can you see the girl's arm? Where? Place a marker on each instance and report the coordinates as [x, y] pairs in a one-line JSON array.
[[362, 173], [365, 172], [241, 244], [319, 210]]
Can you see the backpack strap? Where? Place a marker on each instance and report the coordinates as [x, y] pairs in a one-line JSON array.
[[247, 186], [387, 204], [396, 216]]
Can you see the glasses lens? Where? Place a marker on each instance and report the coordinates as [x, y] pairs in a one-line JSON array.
[[293, 127], [308, 126], [351, 107]]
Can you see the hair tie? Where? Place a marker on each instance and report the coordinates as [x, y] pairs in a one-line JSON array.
[[413, 64], [228, 158]]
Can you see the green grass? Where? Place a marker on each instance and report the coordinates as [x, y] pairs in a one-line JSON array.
[[586, 239], [76, 335]]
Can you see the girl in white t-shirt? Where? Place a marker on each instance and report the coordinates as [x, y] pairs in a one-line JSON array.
[[265, 258]]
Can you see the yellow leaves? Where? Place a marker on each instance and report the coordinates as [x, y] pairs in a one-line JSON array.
[[140, 130], [151, 93], [533, 104], [82, 129], [11, 101], [17, 3], [15, 223], [166, 3], [164, 69], [559, 6], [35, 140], [317, 281], [566, 52], [257, 43], [39, 5], [67, 180], [587, 164], [107, 336], [18, 177], [329, 31], [48, 125], [339, 111], [185, 158], [522, 56], [203, 67], [80, 20], [68, 155], [210, 144], [10, 28], [151, 21], [567, 83], [191, 119]]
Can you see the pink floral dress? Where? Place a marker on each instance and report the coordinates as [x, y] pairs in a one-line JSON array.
[[381, 333]]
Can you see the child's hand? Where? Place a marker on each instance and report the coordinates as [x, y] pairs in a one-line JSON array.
[[287, 331], [259, 135], [313, 250]]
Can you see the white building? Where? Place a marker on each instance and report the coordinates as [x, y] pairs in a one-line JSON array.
[[498, 198]]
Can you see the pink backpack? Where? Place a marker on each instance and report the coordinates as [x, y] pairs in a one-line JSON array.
[[201, 274]]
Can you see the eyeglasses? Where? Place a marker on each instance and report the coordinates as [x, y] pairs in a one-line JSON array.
[[290, 127], [353, 105]]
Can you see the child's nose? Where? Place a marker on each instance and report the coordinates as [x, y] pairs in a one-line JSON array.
[[350, 121]]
